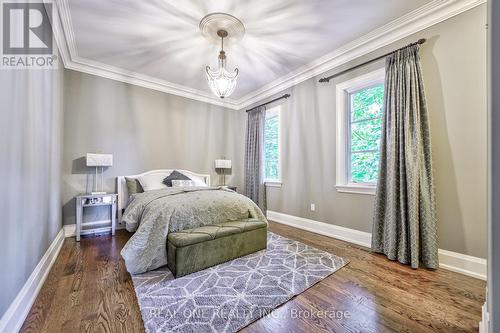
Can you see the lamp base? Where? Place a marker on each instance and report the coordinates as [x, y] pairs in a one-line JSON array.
[[95, 193]]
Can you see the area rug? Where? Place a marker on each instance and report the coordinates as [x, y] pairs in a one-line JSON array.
[[228, 297]]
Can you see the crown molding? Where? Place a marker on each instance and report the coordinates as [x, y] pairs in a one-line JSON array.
[[65, 40], [118, 74], [426, 16]]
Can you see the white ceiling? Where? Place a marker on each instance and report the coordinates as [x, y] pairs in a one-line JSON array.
[[160, 39]]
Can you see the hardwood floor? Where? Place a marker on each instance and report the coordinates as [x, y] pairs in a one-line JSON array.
[[89, 290]]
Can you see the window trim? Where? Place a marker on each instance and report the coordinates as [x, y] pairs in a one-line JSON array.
[[274, 182], [344, 89]]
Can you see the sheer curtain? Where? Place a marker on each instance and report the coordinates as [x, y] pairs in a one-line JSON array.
[[404, 225], [254, 161]]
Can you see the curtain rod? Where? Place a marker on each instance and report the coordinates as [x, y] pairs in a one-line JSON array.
[[274, 100], [328, 78]]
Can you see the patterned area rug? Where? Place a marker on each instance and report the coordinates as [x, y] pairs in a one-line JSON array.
[[228, 297]]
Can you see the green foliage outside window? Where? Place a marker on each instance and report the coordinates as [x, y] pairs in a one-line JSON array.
[[365, 132], [271, 148]]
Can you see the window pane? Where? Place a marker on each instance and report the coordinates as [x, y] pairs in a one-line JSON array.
[[367, 103], [271, 147], [365, 131], [364, 167], [365, 135]]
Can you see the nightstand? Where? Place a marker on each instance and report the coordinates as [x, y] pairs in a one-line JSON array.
[[93, 200], [233, 188]]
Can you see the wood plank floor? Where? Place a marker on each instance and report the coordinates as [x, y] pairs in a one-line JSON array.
[[89, 290]]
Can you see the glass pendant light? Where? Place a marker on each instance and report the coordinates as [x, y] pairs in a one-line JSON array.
[[221, 81]]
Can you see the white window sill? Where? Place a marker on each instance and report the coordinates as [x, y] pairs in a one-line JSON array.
[[272, 184], [356, 189]]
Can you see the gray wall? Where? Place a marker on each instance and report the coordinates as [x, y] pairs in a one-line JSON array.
[[144, 130], [494, 223], [454, 65], [30, 150]]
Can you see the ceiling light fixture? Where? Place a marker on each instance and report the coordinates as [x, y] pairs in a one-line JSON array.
[[221, 81]]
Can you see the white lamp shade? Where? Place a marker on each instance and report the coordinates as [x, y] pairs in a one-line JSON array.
[[223, 164], [99, 160]]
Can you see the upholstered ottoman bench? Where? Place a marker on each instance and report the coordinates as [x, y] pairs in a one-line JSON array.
[[195, 249]]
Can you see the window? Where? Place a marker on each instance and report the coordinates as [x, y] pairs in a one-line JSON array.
[[365, 129], [272, 146], [359, 128]]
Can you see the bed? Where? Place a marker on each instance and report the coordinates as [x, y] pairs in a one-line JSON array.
[[156, 212], [123, 195]]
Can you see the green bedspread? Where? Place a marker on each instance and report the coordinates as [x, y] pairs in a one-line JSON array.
[[153, 214]]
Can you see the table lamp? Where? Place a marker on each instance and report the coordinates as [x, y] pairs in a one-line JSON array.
[[222, 165], [99, 160]]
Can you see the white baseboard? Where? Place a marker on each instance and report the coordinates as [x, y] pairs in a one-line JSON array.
[[15, 315], [462, 263], [484, 324], [349, 235], [69, 230], [453, 261]]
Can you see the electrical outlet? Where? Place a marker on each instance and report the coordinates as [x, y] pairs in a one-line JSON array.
[[313, 207]]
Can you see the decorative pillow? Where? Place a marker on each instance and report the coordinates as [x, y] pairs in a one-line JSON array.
[[175, 175], [133, 186], [153, 181], [198, 181], [182, 183]]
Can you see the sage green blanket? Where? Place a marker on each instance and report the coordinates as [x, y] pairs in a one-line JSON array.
[[153, 214]]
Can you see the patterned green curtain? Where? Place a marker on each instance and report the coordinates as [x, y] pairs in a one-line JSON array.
[[404, 225]]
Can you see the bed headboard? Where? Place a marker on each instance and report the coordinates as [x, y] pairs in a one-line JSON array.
[[121, 185]]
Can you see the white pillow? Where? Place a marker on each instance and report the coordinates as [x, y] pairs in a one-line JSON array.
[[153, 181], [182, 183], [198, 181]]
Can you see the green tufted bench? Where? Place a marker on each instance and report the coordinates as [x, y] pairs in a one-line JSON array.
[[193, 250]]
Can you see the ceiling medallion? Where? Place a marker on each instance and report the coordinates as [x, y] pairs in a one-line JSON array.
[[227, 28]]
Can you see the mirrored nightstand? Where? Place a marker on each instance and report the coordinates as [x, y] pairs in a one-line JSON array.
[[94, 200]]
